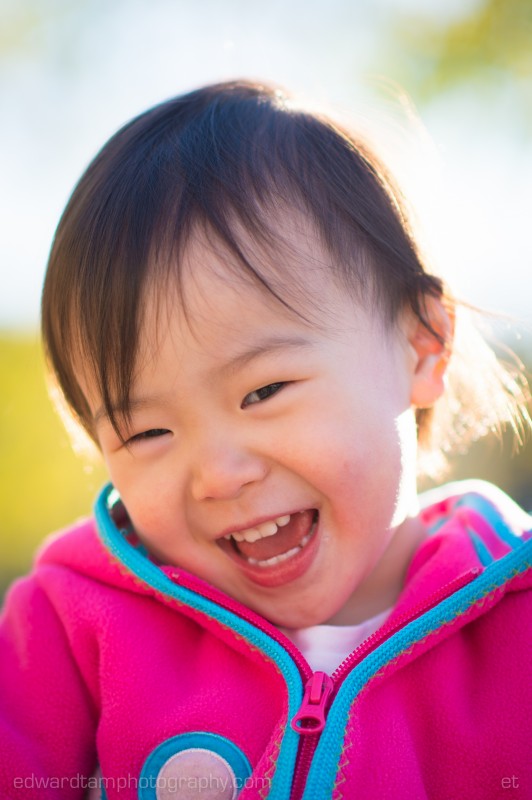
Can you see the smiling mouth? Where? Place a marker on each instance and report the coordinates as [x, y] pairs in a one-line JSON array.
[[275, 541]]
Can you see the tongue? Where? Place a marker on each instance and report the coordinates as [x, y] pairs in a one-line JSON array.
[[285, 539]]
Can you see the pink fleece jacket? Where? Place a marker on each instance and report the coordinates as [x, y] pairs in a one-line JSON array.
[[173, 690]]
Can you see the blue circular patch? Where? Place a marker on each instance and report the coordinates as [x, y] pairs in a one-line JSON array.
[[194, 765]]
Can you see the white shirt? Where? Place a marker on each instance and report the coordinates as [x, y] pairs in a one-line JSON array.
[[326, 646]]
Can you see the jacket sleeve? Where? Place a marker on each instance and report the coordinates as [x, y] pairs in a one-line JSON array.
[[47, 718]]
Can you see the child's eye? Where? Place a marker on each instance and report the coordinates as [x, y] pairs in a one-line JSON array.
[[149, 434], [262, 394]]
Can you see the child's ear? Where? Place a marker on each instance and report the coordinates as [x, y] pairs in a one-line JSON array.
[[431, 350]]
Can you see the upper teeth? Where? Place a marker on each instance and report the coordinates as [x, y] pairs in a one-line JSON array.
[[260, 531]]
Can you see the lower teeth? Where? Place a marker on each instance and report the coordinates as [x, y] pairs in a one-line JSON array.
[[270, 562]]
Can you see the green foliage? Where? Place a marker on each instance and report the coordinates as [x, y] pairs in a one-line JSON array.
[[488, 44], [44, 485]]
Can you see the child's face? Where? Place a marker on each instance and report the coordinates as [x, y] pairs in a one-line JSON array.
[[251, 416]]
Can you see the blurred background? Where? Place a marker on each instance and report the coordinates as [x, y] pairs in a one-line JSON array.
[[443, 87]]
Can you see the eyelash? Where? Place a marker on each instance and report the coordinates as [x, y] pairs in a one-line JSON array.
[[270, 388], [152, 433]]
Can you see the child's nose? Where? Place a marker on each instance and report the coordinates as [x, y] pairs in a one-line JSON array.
[[221, 472]]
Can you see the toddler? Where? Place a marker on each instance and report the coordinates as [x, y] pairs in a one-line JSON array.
[[236, 313]]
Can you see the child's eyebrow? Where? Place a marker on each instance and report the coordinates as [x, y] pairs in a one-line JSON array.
[[118, 410], [266, 346]]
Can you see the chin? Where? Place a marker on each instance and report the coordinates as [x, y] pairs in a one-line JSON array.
[[297, 621]]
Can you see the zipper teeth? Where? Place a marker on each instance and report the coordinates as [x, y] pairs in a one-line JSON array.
[[241, 611], [382, 634], [364, 649], [304, 760]]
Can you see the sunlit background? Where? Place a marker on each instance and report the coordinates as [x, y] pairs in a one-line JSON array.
[[443, 87]]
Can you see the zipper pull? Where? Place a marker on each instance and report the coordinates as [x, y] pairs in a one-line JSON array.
[[311, 716]]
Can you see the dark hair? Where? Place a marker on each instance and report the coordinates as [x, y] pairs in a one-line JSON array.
[[220, 159]]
